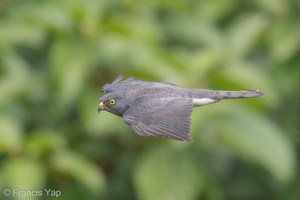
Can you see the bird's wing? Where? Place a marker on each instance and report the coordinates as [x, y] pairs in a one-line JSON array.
[[130, 83], [162, 117]]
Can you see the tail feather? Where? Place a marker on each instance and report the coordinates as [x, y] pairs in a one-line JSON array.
[[222, 94]]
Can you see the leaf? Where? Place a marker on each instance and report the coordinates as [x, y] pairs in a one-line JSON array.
[[244, 33], [16, 79], [256, 138], [67, 72], [10, 135], [24, 174], [44, 141], [215, 10], [277, 7], [80, 169], [284, 41], [162, 174]]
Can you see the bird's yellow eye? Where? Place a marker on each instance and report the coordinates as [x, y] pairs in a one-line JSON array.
[[112, 102]]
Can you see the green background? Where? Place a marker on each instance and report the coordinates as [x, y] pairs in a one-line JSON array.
[[55, 56]]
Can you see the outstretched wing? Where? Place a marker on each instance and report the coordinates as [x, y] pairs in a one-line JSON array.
[[130, 83], [163, 117], [107, 87]]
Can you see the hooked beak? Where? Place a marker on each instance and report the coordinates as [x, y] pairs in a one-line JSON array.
[[100, 106]]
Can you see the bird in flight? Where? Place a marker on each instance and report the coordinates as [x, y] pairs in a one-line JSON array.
[[160, 109]]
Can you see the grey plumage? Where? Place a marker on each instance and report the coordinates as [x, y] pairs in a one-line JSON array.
[[160, 109]]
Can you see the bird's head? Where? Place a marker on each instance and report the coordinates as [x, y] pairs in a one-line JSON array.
[[114, 103]]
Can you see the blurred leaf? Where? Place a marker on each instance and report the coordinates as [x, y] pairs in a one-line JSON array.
[[214, 9], [10, 34], [87, 14], [202, 62], [41, 16], [243, 34], [15, 80], [284, 40], [70, 67], [10, 135], [45, 141], [277, 7], [181, 30], [163, 173], [80, 169], [24, 174], [254, 137]]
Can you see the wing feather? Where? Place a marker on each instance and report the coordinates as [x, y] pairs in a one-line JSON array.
[[162, 117]]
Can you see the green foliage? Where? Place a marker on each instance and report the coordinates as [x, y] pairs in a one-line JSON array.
[[56, 55], [167, 173]]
